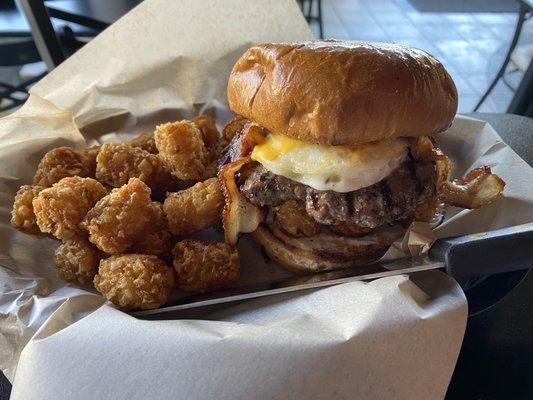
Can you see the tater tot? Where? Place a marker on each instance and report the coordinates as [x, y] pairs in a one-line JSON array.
[[60, 209], [22, 215], [181, 147], [207, 126], [157, 241], [121, 217], [202, 266], [195, 208], [91, 153], [117, 163], [145, 141], [214, 143], [134, 281], [77, 260], [211, 170], [60, 163]]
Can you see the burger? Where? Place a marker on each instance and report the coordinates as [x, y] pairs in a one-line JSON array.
[[331, 158]]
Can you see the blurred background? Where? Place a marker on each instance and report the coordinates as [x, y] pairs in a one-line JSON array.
[[471, 38]]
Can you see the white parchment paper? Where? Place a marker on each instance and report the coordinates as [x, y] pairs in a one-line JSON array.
[[392, 338], [387, 339]]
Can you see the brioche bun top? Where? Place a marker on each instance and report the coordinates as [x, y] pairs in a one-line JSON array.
[[342, 92]]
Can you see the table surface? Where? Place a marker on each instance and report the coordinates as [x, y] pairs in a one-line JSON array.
[[496, 359]]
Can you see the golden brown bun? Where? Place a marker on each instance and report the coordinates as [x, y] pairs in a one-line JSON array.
[[342, 92], [324, 252]]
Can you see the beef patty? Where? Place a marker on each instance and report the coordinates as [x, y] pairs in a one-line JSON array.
[[394, 198]]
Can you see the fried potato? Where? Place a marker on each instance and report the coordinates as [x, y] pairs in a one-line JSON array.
[[203, 266], [117, 163], [60, 209], [207, 126], [77, 260], [144, 141], [213, 141], [91, 153], [181, 147], [60, 163], [22, 215], [211, 170], [195, 208], [134, 281], [121, 217], [292, 218], [158, 241]]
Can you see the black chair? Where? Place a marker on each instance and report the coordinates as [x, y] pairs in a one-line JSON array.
[[524, 13], [15, 53], [53, 46], [18, 47], [522, 103], [96, 15], [308, 8], [46, 41]]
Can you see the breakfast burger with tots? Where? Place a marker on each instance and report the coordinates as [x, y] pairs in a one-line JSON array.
[[330, 157]]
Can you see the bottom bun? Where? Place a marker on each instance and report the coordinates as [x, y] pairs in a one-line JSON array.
[[325, 252]]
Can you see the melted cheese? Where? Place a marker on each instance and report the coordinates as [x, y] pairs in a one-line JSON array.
[[337, 168]]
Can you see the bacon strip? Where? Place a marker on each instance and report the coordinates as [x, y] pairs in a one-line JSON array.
[[233, 127], [246, 135], [238, 215], [479, 187]]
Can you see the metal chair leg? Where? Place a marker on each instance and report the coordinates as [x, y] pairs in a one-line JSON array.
[[21, 87], [506, 82], [13, 102], [319, 16], [7, 91], [521, 18], [522, 103], [308, 14], [43, 32]]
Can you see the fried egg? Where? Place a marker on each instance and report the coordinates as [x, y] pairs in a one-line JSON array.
[[338, 168]]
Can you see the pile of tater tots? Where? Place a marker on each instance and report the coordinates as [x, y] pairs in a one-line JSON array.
[[123, 223]]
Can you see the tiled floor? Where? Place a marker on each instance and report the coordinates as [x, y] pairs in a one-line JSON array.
[[472, 46]]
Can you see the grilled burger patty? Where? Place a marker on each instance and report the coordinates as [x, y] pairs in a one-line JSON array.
[[394, 198]]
